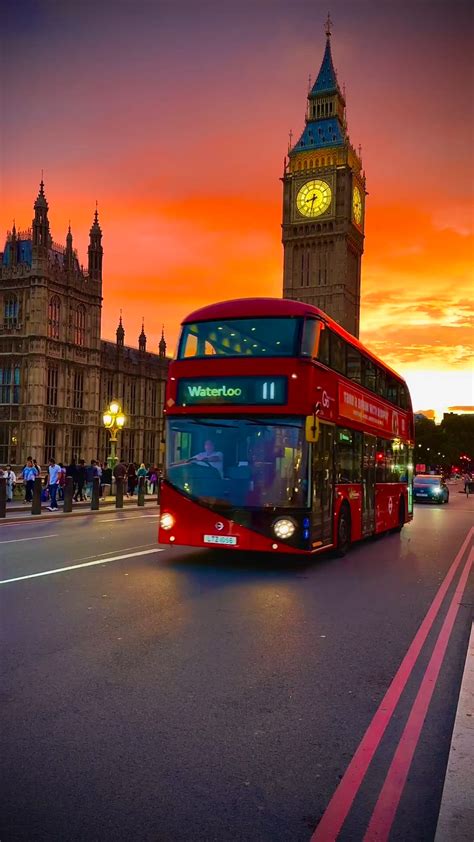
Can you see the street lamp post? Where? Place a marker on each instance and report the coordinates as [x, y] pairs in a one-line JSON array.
[[114, 420]]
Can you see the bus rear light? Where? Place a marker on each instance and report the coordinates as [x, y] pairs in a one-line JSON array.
[[284, 528], [166, 521]]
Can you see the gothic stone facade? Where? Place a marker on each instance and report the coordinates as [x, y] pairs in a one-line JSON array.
[[323, 207], [56, 374]]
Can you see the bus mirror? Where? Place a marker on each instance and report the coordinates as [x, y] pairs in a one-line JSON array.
[[312, 428]]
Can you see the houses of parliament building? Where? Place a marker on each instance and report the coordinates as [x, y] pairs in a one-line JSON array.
[[56, 373]]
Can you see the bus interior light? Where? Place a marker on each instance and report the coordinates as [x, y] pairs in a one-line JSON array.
[[166, 521], [284, 528]]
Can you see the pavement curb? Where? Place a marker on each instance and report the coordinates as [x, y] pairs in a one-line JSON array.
[[29, 518], [456, 815]]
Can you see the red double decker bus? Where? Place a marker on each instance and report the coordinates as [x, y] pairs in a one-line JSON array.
[[283, 433]]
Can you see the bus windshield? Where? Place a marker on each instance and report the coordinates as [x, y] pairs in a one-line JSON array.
[[267, 337], [239, 462]]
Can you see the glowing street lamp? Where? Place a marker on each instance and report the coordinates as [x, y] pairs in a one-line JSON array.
[[114, 420]]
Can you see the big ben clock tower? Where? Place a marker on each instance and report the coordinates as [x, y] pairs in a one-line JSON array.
[[324, 205]]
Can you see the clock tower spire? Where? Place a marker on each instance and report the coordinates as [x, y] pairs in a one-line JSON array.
[[323, 205]]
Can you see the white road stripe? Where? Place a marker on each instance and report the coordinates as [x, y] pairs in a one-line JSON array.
[[36, 538], [124, 519], [109, 552], [77, 566]]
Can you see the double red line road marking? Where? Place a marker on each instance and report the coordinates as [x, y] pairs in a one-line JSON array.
[[385, 809]]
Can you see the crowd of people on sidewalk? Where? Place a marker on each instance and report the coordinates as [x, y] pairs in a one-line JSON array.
[[82, 475]]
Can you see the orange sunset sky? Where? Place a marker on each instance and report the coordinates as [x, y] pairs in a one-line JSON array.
[[175, 117]]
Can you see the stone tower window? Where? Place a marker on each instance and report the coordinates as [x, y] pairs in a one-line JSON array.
[[9, 383], [52, 386], [10, 311], [80, 325], [49, 444], [78, 390], [54, 315], [133, 397]]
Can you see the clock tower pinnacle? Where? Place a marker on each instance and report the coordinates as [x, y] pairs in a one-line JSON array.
[[323, 205]]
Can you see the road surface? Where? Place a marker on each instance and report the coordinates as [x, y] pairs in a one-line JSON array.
[[178, 694]]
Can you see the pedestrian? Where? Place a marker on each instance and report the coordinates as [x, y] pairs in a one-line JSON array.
[[131, 479], [152, 479], [81, 480], [90, 473], [142, 472], [29, 475], [52, 478], [37, 468], [71, 471], [120, 470], [10, 477], [105, 482], [467, 481], [62, 481], [120, 473]]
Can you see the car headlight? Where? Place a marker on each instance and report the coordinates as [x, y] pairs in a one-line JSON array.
[[284, 528], [436, 490], [166, 521]]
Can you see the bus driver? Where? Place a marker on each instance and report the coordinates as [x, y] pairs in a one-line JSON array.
[[209, 456]]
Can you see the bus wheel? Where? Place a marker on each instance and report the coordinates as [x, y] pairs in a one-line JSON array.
[[401, 516], [343, 531]]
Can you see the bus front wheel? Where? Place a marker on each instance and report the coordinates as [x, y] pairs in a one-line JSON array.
[[343, 531]]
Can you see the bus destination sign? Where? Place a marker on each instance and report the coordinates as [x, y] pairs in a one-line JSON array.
[[241, 391]]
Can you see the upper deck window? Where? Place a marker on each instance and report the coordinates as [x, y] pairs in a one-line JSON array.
[[267, 337]]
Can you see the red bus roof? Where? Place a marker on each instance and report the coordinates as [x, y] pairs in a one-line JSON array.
[[241, 308]]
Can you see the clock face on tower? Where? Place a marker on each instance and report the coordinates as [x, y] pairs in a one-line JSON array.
[[356, 205], [313, 198]]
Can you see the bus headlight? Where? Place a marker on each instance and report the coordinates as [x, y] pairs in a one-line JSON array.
[[166, 521], [284, 528]]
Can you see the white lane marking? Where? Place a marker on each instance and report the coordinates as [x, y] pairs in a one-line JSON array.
[[77, 566], [124, 519], [36, 538], [109, 552]]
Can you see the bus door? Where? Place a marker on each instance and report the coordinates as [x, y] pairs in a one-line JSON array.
[[368, 485], [323, 486]]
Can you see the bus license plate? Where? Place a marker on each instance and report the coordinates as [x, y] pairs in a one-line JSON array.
[[220, 539]]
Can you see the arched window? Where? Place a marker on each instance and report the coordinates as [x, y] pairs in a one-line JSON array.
[[54, 313], [10, 311], [80, 325]]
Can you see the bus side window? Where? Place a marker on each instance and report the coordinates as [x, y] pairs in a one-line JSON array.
[[190, 341], [381, 383], [354, 364], [392, 390], [323, 350], [338, 353], [348, 455], [381, 462], [403, 402], [311, 338], [369, 374]]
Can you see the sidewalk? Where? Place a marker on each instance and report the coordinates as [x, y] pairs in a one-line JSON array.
[[456, 815], [21, 512]]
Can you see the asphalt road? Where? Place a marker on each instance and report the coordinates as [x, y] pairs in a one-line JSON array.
[[182, 694]]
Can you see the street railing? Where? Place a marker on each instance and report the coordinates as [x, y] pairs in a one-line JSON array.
[[37, 504]]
